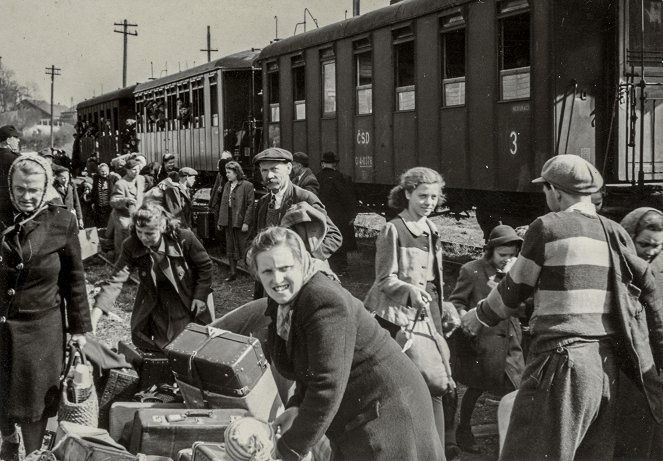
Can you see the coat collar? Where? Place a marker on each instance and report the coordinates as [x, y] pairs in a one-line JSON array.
[[169, 246], [409, 222]]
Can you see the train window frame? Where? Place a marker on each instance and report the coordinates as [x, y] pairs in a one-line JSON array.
[[184, 109], [453, 87], [404, 80], [632, 48], [198, 102], [328, 96], [214, 100], [274, 92], [298, 71], [513, 80], [171, 107], [362, 47]]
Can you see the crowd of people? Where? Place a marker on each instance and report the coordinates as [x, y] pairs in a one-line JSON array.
[[570, 314]]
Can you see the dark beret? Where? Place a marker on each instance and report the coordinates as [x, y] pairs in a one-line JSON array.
[[9, 131], [329, 157]]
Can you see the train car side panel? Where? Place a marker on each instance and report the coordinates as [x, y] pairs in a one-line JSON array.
[[481, 94], [428, 91], [342, 141], [385, 168], [286, 101], [313, 104]]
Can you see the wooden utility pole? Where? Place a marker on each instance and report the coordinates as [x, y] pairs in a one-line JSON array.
[[125, 26], [52, 71], [209, 46]]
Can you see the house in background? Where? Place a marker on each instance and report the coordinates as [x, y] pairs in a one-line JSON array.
[[34, 116]]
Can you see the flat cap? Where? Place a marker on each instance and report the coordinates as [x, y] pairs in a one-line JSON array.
[[9, 131], [273, 154], [187, 171], [329, 157], [57, 169], [167, 157], [572, 174], [300, 157]]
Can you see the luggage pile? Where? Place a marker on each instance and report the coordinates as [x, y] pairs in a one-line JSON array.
[[177, 405]]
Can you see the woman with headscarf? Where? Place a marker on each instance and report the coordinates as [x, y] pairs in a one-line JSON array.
[[353, 383], [42, 298], [175, 279], [641, 437]]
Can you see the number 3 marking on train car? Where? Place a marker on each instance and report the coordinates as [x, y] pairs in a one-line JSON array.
[[514, 142]]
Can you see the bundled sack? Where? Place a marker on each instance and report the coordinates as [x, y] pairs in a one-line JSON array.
[[248, 439], [78, 400]]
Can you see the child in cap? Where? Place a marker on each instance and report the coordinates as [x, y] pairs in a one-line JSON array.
[[493, 360]]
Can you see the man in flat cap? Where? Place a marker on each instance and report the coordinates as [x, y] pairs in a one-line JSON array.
[[9, 142], [275, 165], [177, 198], [302, 175], [565, 406]]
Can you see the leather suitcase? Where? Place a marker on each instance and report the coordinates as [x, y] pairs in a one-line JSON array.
[[165, 432], [152, 367], [216, 360], [262, 401], [185, 455], [77, 442], [122, 413], [205, 451]]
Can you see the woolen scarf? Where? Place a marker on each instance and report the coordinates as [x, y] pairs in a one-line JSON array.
[[49, 191]]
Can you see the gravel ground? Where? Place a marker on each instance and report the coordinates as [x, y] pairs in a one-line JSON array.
[[464, 237]]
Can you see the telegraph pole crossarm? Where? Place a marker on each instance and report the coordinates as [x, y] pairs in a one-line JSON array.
[[53, 72], [209, 48], [125, 26]]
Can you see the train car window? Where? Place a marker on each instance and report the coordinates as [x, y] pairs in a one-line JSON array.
[[214, 100], [139, 115], [363, 76], [116, 121], [183, 103], [514, 49], [273, 87], [404, 75], [652, 55], [171, 108], [198, 104], [328, 69], [299, 86], [453, 43]]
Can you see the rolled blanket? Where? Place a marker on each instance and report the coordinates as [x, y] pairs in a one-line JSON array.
[[249, 439]]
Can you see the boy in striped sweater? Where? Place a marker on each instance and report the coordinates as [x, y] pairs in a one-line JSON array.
[[565, 407]]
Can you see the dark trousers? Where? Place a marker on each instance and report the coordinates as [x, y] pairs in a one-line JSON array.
[[566, 406]]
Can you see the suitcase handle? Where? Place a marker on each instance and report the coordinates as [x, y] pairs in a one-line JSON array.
[[199, 413]]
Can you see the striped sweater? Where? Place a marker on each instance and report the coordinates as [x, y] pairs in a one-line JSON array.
[[565, 264]]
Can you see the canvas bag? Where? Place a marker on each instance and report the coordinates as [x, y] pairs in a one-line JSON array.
[[430, 353]]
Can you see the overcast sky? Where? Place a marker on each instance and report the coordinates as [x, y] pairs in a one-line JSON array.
[[77, 36]]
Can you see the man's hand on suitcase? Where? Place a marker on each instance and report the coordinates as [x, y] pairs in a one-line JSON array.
[[198, 307]]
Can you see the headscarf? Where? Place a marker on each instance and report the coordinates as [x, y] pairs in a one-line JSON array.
[[49, 191], [309, 267], [632, 220]]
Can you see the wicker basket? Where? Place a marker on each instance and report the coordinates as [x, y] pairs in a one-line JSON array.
[[121, 385]]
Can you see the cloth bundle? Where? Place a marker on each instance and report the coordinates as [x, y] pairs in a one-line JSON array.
[[249, 439]]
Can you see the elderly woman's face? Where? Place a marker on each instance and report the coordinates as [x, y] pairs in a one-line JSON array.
[[648, 244], [280, 273], [28, 190]]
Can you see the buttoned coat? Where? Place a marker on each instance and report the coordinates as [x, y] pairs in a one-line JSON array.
[[242, 199], [42, 284], [353, 383], [483, 361], [398, 268], [295, 194], [187, 266]]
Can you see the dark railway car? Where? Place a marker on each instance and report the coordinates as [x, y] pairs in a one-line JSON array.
[[483, 91], [198, 113], [101, 123]]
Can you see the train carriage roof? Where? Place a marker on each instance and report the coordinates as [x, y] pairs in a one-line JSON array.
[[122, 93], [241, 60], [392, 14]]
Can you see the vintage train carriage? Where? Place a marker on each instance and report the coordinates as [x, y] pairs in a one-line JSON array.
[[198, 113], [483, 91], [101, 121]]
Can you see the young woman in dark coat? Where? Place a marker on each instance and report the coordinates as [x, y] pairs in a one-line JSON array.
[[353, 383], [175, 275], [42, 298], [236, 214]]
